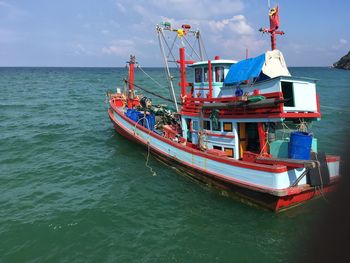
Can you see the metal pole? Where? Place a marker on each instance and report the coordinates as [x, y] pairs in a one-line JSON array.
[[199, 44], [171, 87]]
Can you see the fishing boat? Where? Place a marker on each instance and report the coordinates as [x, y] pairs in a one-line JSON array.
[[242, 126]]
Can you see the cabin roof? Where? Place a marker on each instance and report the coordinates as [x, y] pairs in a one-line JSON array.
[[214, 62]]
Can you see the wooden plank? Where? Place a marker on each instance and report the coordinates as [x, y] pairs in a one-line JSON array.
[[288, 162]]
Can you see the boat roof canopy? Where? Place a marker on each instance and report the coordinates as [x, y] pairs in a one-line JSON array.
[[245, 69], [271, 64], [216, 61]]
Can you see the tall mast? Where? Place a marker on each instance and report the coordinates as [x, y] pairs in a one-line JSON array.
[[274, 25], [131, 94]]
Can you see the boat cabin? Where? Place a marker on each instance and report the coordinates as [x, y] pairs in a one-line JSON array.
[[250, 113], [219, 70]]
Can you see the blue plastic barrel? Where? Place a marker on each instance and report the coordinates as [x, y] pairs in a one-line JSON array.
[[299, 146], [151, 121], [134, 115]]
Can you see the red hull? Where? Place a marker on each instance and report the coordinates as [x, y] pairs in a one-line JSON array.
[[263, 199]]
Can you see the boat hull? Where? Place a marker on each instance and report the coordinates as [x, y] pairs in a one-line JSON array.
[[273, 200]]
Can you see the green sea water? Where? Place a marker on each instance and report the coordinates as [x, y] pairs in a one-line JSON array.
[[73, 190]]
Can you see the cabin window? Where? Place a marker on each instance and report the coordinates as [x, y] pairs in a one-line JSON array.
[[229, 152], [205, 74], [219, 74], [217, 147], [227, 126], [195, 125], [206, 125], [217, 127], [287, 90], [198, 75]]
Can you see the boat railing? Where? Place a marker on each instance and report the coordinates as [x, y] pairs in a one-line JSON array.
[[229, 106]]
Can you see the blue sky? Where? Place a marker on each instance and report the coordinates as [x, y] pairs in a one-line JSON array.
[[104, 33]]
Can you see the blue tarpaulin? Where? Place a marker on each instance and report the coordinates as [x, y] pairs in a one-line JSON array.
[[245, 69]]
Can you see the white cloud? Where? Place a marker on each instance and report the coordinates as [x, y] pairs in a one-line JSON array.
[[240, 25], [120, 48], [341, 44], [235, 47], [229, 35], [195, 9], [298, 48], [185, 9], [10, 11], [82, 50], [120, 7], [145, 12], [9, 36], [237, 24]]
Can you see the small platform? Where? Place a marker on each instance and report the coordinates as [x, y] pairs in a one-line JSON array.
[[294, 163]]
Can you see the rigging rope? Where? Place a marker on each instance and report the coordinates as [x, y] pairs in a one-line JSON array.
[[150, 92], [150, 77]]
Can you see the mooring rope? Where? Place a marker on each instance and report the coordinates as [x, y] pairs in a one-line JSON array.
[[319, 172], [148, 145]]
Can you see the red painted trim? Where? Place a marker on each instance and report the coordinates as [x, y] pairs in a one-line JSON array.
[[262, 137], [131, 82], [237, 116], [287, 201], [318, 105], [183, 82], [210, 80], [230, 99], [192, 106], [257, 116], [300, 115], [253, 115], [332, 158], [230, 161], [131, 75]]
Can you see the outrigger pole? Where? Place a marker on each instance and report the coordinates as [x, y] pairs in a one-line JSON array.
[[166, 65], [182, 62]]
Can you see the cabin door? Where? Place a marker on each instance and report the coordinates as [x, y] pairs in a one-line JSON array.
[[189, 128], [248, 138]]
